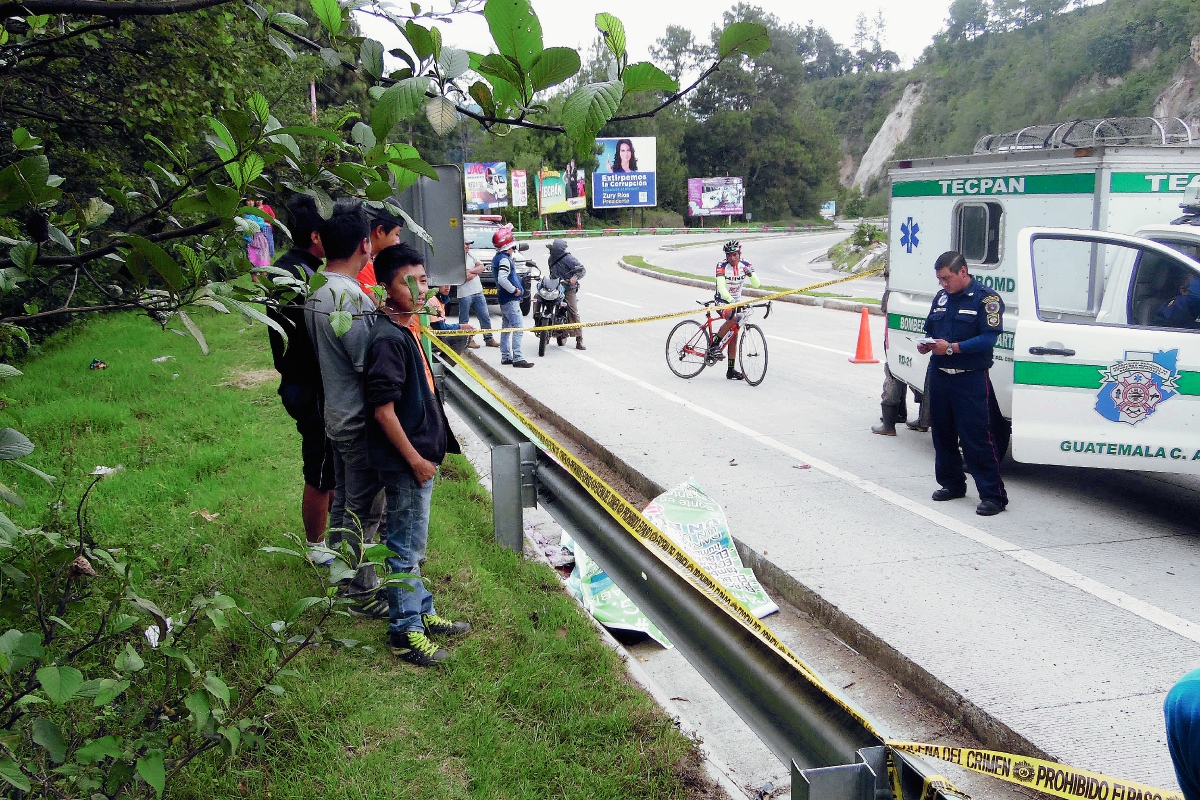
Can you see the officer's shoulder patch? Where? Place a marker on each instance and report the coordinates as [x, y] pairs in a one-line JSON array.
[[991, 304]]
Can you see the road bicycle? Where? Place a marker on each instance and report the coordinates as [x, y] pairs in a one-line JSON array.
[[691, 346]]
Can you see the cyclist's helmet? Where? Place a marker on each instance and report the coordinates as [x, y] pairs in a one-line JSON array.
[[733, 246], [503, 237]]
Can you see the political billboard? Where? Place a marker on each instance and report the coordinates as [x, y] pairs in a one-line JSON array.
[[560, 190], [520, 188], [626, 175], [486, 185], [715, 197]]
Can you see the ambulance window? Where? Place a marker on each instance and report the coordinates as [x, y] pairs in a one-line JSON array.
[[1163, 292], [977, 232], [1189, 249]]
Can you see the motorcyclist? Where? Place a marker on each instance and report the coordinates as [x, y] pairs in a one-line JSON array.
[[731, 274], [567, 269]]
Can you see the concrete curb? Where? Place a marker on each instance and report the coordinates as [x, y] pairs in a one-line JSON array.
[[993, 733], [798, 299]]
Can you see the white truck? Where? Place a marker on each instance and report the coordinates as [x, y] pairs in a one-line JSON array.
[[1086, 369]]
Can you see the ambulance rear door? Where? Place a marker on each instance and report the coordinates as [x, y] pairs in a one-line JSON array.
[[1099, 380]]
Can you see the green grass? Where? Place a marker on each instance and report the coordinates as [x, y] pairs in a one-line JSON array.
[[642, 263], [531, 704]]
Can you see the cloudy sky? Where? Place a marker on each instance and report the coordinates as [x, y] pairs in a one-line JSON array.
[[910, 25]]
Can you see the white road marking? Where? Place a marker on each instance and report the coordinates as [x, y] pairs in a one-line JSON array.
[[1147, 611], [610, 299], [813, 346]]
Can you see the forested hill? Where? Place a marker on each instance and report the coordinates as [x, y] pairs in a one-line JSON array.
[[1000, 65]]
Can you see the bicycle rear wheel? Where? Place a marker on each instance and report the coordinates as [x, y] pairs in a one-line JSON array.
[[752, 354], [687, 348]]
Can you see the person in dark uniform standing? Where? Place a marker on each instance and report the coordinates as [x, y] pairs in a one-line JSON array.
[[962, 328]]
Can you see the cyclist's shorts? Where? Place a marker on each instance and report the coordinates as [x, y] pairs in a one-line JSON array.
[[736, 313]]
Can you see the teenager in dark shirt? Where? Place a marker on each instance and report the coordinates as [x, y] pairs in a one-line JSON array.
[[407, 437], [300, 377]]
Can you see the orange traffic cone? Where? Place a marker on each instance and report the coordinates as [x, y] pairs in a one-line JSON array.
[[863, 354]]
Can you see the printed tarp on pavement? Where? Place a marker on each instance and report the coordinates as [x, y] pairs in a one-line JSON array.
[[696, 523]]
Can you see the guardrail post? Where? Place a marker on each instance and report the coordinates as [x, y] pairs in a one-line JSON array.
[[844, 782], [514, 487]]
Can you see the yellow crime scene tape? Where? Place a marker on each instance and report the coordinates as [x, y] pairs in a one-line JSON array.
[[1048, 777], [570, 326]]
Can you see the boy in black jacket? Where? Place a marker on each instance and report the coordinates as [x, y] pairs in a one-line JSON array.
[[407, 437]]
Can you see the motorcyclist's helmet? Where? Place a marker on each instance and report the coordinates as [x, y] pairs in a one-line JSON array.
[[503, 237], [733, 246]]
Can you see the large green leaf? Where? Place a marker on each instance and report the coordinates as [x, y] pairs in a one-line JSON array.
[[614, 34], [442, 115], [93, 752], [14, 444], [370, 52], [744, 37], [61, 684], [150, 767], [515, 30], [481, 93], [419, 37], [495, 65], [401, 101], [553, 66], [160, 260], [454, 62], [330, 14], [589, 107], [644, 77], [48, 735], [10, 772]]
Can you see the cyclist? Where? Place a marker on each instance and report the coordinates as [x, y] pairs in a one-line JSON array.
[[731, 274]]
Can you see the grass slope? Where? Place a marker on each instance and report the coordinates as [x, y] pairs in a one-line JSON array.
[[532, 705]]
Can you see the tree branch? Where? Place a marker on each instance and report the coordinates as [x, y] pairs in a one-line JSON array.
[[672, 99], [106, 8]]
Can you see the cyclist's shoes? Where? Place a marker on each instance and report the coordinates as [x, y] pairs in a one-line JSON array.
[[440, 626], [416, 648], [733, 375]]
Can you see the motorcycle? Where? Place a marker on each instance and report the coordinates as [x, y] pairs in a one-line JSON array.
[[549, 308]]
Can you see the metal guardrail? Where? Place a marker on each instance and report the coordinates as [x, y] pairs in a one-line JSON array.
[[832, 755]]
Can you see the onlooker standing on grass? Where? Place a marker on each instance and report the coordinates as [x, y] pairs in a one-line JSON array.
[[1182, 712], [471, 298], [509, 289], [300, 378], [567, 269], [346, 239], [408, 437]]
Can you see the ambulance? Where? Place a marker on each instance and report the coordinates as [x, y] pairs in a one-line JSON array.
[[1086, 245]]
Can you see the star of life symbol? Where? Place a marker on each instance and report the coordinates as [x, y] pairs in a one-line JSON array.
[[908, 235], [1132, 389]]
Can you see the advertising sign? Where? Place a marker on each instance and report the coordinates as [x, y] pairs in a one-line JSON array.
[[487, 185], [625, 176], [715, 197], [520, 189], [829, 209], [560, 191]]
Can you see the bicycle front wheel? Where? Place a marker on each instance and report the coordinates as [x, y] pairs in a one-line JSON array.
[[687, 348], [752, 354]]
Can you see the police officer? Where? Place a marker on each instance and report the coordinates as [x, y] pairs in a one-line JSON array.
[[964, 323]]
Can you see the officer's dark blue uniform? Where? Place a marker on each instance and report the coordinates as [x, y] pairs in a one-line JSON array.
[[960, 394]]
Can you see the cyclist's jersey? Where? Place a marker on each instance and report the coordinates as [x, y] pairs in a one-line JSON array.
[[734, 276]]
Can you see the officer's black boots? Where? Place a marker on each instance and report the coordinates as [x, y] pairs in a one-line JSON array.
[[949, 494], [988, 508], [887, 426]]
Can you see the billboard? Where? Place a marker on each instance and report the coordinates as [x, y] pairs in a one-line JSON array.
[[715, 197], [520, 189], [486, 184], [625, 176], [560, 191], [829, 209]]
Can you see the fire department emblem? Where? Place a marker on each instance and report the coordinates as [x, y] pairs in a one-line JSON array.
[[1134, 388]]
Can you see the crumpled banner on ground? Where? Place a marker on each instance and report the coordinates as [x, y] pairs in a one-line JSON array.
[[604, 600], [697, 523]]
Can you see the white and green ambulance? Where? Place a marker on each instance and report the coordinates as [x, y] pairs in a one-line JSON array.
[[1085, 369]]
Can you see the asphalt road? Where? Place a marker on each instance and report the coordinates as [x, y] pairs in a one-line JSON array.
[[1067, 618]]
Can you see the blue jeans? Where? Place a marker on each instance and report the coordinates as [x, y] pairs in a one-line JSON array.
[[511, 314], [407, 536], [477, 303]]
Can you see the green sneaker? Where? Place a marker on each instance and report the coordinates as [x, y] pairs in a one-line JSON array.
[[444, 627], [415, 648]]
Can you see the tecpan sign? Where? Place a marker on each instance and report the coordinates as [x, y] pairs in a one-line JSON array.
[[998, 186]]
